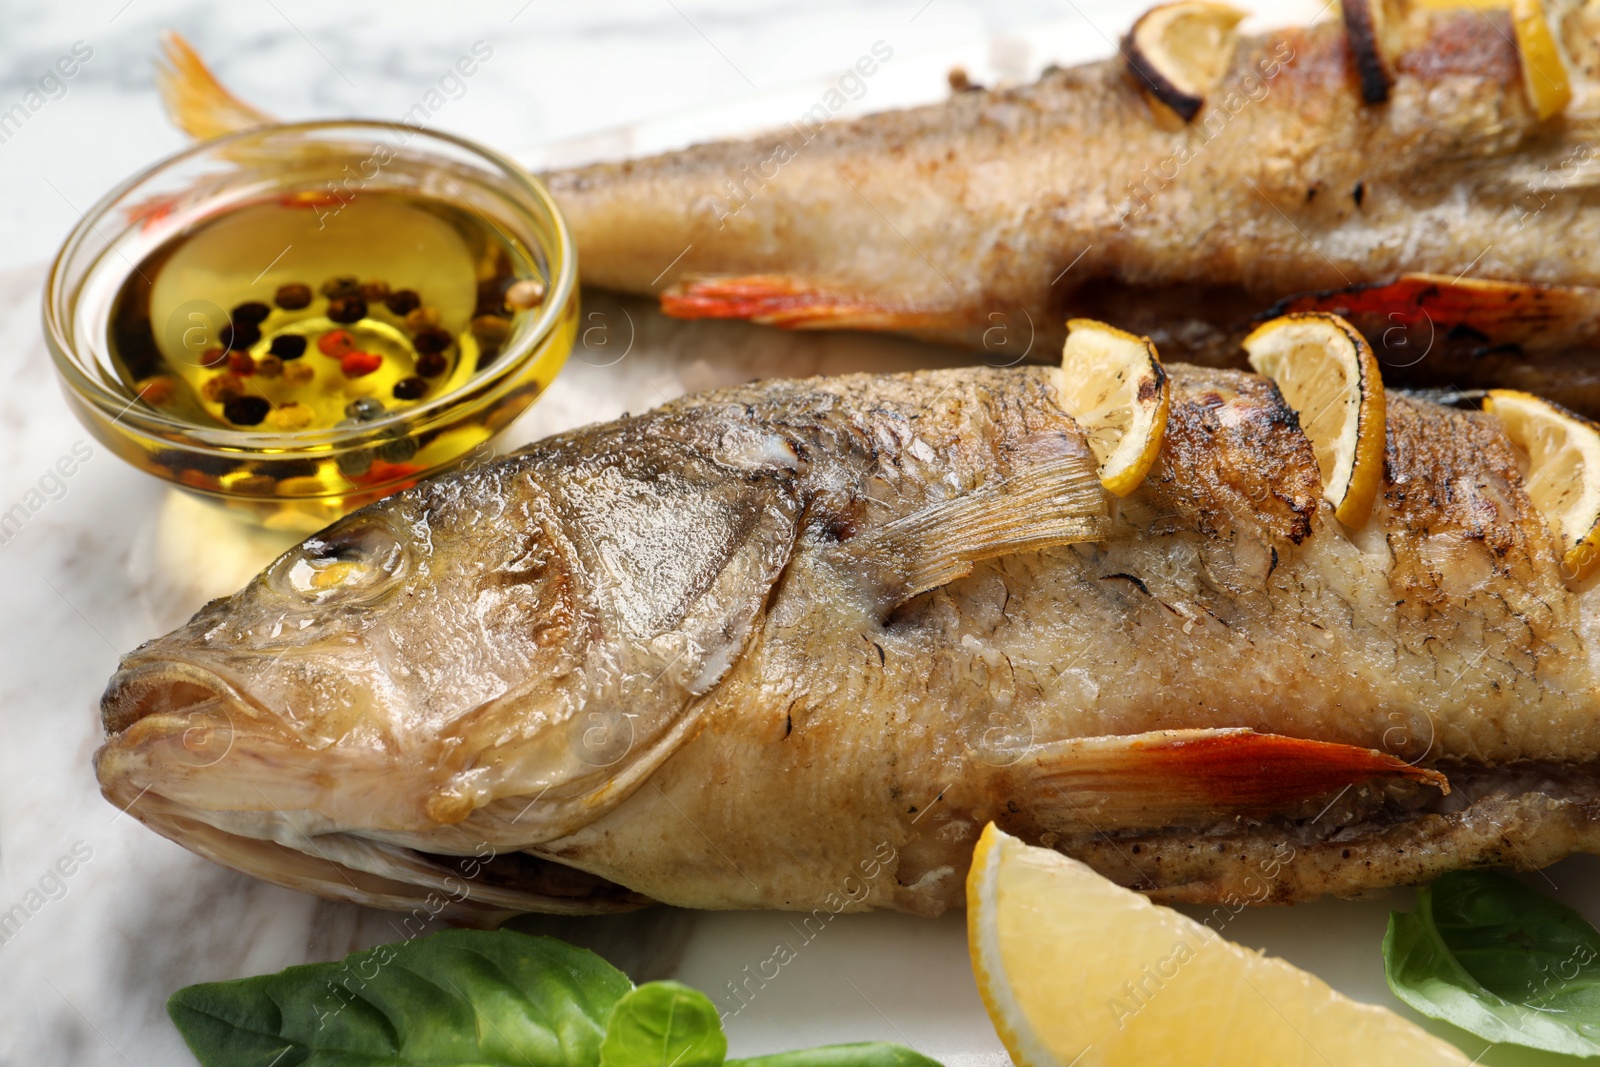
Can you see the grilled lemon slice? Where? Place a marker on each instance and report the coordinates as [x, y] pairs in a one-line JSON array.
[[1544, 69], [1112, 384], [1180, 51], [1563, 479], [1077, 970], [1328, 374]]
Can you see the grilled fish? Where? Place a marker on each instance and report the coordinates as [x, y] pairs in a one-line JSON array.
[[990, 219], [791, 645]]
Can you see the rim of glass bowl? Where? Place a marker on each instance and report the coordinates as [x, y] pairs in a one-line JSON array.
[[60, 306]]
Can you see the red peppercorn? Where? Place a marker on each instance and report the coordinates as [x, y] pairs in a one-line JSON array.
[[356, 364], [336, 343], [213, 357], [241, 364]]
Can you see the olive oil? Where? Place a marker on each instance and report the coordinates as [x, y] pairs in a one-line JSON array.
[[300, 315]]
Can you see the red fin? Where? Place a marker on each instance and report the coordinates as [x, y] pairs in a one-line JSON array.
[[1179, 777], [1498, 312], [784, 300]]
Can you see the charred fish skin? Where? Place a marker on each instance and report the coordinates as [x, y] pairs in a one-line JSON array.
[[688, 654]]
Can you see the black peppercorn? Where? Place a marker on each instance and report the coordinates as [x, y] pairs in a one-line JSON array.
[[334, 288], [402, 301], [375, 292], [432, 364], [492, 296], [239, 335], [432, 339], [410, 389], [292, 297], [347, 309], [288, 346], [246, 410], [250, 311]]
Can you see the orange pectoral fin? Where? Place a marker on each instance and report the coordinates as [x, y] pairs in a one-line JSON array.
[[1475, 309], [1189, 777], [788, 301]]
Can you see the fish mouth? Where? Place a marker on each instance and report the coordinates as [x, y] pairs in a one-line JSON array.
[[182, 691]]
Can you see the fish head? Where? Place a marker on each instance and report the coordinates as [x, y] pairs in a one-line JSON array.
[[497, 656]]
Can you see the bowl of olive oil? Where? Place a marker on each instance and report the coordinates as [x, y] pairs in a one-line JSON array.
[[296, 320]]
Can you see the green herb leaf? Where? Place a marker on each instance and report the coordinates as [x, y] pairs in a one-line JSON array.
[[463, 997], [866, 1054], [1485, 953], [664, 1024]]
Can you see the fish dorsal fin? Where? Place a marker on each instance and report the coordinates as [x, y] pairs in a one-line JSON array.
[[1058, 501]]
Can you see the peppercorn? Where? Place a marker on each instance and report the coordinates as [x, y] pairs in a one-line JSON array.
[[347, 309], [374, 292], [419, 319], [358, 364], [246, 410], [292, 297], [250, 311], [269, 366], [239, 334], [527, 294], [398, 450], [402, 301], [213, 357], [241, 364], [344, 285], [354, 464], [432, 364], [410, 389], [288, 346], [223, 388], [491, 330], [336, 343], [363, 408], [432, 339], [298, 374], [291, 416], [491, 296], [156, 390]]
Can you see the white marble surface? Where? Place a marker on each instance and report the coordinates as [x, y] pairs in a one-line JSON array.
[[84, 980]]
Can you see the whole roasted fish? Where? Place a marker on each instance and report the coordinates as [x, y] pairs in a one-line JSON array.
[[792, 645], [990, 219]]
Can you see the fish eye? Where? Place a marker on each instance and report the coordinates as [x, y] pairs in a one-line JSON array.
[[354, 562]]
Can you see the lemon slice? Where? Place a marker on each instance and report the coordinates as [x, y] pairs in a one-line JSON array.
[[1563, 479], [1328, 374], [1076, 970], [1544, 70], [1180, 51], [1112, 384]]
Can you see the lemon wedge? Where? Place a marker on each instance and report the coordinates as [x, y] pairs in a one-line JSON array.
[[1112, 384], [1180, 51], [1544, 70], [1562, 450], [1328, 374], [1077, 971]]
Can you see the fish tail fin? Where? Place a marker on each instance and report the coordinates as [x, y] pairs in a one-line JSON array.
[[791, 302], [195, 100], [1176, 777], [1481, 310]]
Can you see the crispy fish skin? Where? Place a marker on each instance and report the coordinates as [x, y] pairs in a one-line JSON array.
[[1018, 208], [669, 657]]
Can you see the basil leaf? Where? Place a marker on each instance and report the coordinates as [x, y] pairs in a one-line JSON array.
[[1485, 953], [462, 997], [866, 1054], [664, 1024]]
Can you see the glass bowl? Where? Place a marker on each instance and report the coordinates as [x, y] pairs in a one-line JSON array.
[[302, 479]]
